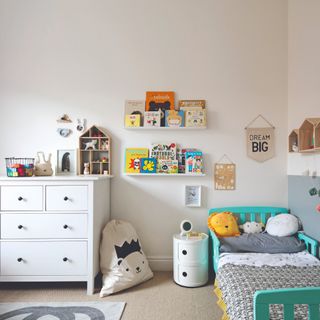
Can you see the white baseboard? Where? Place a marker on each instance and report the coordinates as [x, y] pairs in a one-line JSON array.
[[160, 263]]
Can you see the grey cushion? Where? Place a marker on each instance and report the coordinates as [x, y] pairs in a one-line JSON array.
[[261, 242]]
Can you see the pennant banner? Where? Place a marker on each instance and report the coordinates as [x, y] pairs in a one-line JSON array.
[[260, 143]]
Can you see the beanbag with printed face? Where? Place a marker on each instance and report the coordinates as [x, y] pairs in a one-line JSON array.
[[122, 261]]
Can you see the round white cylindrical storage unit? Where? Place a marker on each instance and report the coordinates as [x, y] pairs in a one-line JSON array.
[[190, 261]]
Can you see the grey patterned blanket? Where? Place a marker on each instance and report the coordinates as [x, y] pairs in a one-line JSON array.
[[239, 283]]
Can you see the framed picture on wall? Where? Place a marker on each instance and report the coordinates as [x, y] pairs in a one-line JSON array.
[[193, 196], [66, 162]]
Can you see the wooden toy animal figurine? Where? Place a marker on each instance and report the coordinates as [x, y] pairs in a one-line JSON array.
[[42, 166], [86, 168], [90, 144]]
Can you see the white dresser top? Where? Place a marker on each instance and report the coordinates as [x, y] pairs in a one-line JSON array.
[[90, 177]]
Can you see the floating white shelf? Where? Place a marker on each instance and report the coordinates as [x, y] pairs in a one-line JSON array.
[[165, 128], [166, 174]]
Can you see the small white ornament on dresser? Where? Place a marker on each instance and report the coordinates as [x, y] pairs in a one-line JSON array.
[[86, 168]]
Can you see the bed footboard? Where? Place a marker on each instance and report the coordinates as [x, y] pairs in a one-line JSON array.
[[287, 297]]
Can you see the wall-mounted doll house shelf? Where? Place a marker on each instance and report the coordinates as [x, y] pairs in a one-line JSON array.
[[95, 149], [166, 174], [306, 139], [165, 128]]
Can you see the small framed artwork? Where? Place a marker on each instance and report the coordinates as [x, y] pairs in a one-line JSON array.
[[193, 196], [66, 162]]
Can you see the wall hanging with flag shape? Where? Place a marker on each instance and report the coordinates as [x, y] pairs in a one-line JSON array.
[[260, 141], [225, 174]]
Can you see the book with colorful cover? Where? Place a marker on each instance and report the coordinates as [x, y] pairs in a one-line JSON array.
[[164, 151], [135, 107], [148, 165], [167, 166], [194, 162], [152, 119], [181, 156], [160, 100], [132, 120], [174, 119], [132, 159], [195, 118]]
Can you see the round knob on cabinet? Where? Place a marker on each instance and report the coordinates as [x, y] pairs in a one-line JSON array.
[[20, 198], [19, 259], [184, 274], [65, 198], [184, 252], [20, 226], [65, 226], [65, 259]]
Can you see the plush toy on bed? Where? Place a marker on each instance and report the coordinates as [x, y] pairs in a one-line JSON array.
[[224, 224], [252, 227]]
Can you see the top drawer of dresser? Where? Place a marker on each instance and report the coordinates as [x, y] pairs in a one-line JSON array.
[[21, 198], [66, 198]]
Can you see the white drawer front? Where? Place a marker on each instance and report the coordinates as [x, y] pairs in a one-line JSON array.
[[43, 258], [43, 225], [192, 276], [196, 251], [67, 198], [21, 198]]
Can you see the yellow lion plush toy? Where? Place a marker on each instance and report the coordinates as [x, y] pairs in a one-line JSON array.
[[224, 224]]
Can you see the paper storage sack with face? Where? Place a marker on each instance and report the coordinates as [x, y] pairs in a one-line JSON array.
[[122, 261]]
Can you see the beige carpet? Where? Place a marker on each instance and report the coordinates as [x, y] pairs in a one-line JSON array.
[[157, 299]]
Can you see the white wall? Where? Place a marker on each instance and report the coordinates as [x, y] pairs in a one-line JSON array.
[[85, 58], [303, 75]]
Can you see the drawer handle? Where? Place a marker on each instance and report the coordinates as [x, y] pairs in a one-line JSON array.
[[20, 226], [20, 198], [65, 259], [184, 252], [65, 226], [19, 259], [184, 274], [65, 198]]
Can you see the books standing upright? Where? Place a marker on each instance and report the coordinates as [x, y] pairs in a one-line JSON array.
[[133, 156], [160, 100]]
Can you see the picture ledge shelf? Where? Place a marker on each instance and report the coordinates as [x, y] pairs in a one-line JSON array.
[[165, 128], [165, 174]]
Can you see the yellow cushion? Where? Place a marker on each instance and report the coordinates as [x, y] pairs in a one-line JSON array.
[[224, 224]]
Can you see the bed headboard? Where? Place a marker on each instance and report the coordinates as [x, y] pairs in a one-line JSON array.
[[260, 214]]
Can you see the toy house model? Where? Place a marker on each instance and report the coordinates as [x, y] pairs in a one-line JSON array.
[[95, 149], [309, 139]]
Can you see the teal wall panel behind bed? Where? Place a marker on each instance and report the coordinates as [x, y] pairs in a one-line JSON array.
[[303, 205]]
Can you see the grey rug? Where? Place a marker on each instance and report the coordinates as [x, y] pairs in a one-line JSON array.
[[62, 311]]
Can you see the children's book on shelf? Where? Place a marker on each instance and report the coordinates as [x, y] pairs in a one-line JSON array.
[[167, 166], [132, 120], [164, 151], [160, 101], [174, 119], [135, 107], [194, 162], [195, 118], [185, 104], [181, 156], [152, 119], [148, 165], [132, 159]]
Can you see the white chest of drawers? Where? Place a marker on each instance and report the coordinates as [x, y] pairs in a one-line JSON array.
[[50, 227]]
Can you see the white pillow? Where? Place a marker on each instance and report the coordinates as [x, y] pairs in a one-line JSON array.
[[122, 261], [282, 225]]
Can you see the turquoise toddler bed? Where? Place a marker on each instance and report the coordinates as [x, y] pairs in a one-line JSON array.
[[267, 292]]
